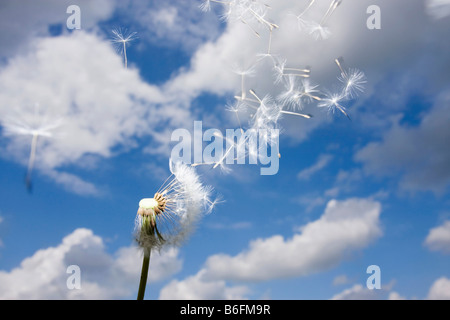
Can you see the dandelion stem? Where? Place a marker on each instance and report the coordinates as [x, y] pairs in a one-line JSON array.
[[144, 274], [125, 54], [296, 75], [222, 2], [31, 160], [307, 116], [334, 4], [341, 68], [245, 22], [307, 8], [242, 87]]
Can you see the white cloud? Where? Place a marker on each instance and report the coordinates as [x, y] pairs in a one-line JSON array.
[[211, 65], [345, 227], [440, 289], [170, 23], [197, 288], [103, 106], [357, 292], [438, 9], [78, 76], [438, 238], [24, 20], [103, 276], [360, 292], [395, 296]]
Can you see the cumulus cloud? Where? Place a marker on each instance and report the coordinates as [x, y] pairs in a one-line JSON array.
[[197, 288], [408, 56], [80, 80], [102, 275], [78, 76], [23, 21], [345, 227], [440, 289], [395, 296], [438, 238], [358, 292], [172, 23]]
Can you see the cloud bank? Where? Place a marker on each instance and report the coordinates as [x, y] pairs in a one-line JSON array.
[[102, 275], [345, 227]]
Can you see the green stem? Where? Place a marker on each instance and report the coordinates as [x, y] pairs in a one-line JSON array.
[[144, 274]]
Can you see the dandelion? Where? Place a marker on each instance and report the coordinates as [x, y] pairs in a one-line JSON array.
[[205, 6], [309, 91], [311, 2], [333, 6], [237, 108], [121, 39], [318, 30], [332, 102], [170, 216], [244, 73], [281, 71], [302, 23], [34, 125], [352, 79], [296, 94], [245, 11], [268, 113], [231, 146]]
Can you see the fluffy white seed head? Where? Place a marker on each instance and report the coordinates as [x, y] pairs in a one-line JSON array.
[[171, 215]]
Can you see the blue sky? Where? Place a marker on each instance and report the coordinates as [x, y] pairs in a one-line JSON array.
[[347, 195]]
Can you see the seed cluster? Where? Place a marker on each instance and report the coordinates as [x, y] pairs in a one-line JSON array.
[[162, 201]]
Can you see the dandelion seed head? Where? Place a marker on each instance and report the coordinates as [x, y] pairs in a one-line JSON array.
[[278, 69], [35, 123], [237, 107], [333, 101], [170, 216], [290, 97], [268, 110], [205, 6], [354, 82], [249, 71], [318, 31], [123, 36]]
